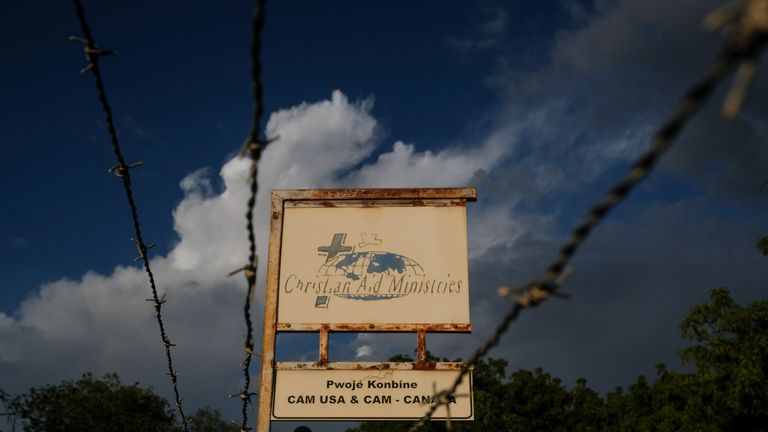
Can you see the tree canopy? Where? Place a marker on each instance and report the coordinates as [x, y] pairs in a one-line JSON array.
[[90, 404]]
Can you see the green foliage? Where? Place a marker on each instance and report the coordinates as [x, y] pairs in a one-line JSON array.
[[209, 420], [524, 401], [728, 388], [731, 358], [762, 245], [90, 404]]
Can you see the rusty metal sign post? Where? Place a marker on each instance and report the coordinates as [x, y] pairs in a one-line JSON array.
[[364, 260]]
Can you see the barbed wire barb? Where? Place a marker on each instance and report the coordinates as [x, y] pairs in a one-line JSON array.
[[119, 170], [746, 27], [92, 53], [143, 250], [122, 171]]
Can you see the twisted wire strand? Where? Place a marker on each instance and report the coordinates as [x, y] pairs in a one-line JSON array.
[[252, 149], [737, 49], [123, 171]]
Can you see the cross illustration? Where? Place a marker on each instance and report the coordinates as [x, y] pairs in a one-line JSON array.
[[336, 246]]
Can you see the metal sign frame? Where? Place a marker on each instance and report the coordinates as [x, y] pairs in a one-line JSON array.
[[435, 197]]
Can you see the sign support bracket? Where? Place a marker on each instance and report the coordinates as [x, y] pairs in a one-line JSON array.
[[421, 345], [323, 345]]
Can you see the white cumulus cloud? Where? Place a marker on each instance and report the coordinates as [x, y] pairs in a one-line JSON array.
[[102, 323]]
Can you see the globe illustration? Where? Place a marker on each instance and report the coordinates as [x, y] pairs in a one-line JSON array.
[[356, 265]]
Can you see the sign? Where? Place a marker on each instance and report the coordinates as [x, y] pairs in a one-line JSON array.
[[364, 260], [374, 265], [386, 394]]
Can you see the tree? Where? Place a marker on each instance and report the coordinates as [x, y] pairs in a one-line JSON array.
[[728, 388], [90, 404], [762, 245], [209, 420], [523, 401], [731, 358]]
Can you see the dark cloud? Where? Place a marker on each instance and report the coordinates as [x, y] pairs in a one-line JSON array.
[[634, 282], [613, 79]]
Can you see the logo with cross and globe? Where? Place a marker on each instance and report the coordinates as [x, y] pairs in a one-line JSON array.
[[365, 271], [342, 260]]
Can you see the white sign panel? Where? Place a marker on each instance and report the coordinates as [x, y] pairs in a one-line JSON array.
[[367, 394], [374, 265]]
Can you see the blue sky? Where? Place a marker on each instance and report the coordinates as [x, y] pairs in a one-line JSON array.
[[540, 105]]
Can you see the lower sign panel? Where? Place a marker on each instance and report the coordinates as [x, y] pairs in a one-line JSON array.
[[304, 392]]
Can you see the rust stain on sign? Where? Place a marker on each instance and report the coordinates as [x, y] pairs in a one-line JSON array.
[[377, 327], [467, 194]]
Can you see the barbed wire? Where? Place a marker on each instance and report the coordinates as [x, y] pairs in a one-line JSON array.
[[746, 26], [122, 170], [252, 149]]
